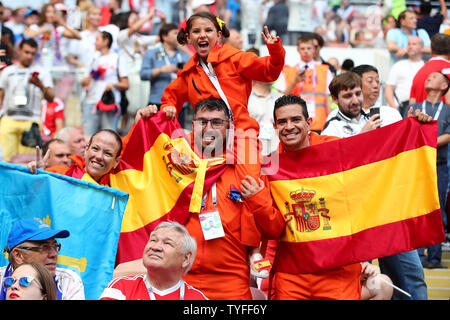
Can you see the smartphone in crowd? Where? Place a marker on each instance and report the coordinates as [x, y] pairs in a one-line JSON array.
[[373, 111]]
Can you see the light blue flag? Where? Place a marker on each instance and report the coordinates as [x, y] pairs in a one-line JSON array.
[[91, 213]]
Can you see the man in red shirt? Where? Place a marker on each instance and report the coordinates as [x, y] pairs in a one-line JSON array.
[[440, 53], [168, 255], [52, 117]]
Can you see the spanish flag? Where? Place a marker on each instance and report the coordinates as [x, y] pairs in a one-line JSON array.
[[359, 198], [165, 180]]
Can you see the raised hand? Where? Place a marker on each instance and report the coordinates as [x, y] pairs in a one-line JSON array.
[[268, 38], [38, 163]]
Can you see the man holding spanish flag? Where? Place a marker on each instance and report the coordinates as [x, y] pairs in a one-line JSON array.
[[333, 206], [225, 231]]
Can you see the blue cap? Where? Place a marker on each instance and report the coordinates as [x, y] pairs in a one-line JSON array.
[[30, 11], [33, 229]]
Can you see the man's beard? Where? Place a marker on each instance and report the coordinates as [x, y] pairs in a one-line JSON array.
[[350, 114]]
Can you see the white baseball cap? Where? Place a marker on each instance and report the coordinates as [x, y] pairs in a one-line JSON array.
[[197, 3]]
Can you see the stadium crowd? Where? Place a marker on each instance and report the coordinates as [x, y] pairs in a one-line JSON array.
[[76, 79]]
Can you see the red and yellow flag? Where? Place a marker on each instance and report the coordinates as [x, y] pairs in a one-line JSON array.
[[358, 198], [164, 178]]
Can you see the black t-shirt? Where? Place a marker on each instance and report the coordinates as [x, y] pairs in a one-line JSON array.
[[430, 23]]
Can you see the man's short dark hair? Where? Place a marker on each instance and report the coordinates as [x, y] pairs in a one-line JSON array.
[[212, 104], [344, 81], [447, 81], [254, 50], [440, 44], [402, 15], [425, 8], [363, 68], [46, 145], [305, 38], [347, 65], [287, 100], [107, 36], [319, 39], [165, 29], [28, 41]]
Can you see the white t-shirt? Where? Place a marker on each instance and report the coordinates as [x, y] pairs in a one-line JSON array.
[[14, 82], [401, 76], [84, 49], [110, 63]]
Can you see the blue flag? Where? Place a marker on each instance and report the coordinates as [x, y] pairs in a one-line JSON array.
[[91, 213]]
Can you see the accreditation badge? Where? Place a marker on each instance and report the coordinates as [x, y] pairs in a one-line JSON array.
[[211, 225], [20, 98]]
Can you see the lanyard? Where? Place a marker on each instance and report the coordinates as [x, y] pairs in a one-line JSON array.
[[213, 196], [438, 112], [213, 78], [19, 81], [165, 56], [152, 295]]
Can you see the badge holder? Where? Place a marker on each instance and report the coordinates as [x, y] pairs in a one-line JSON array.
[[20, 97], [210, 220]]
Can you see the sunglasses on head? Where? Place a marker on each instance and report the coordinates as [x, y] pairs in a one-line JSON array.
[[23, 281]]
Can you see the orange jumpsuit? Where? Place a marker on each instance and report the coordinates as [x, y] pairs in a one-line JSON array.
[[341, 284], [220, 268], [235, 70]]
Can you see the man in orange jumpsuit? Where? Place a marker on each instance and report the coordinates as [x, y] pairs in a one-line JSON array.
[[345, 283], [225, 231]]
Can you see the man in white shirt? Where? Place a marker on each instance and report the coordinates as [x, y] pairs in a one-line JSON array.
[[349, 119], [107, 73], [371, 92], [33, 240], [22, 87], [401, 75], [370, 89]]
